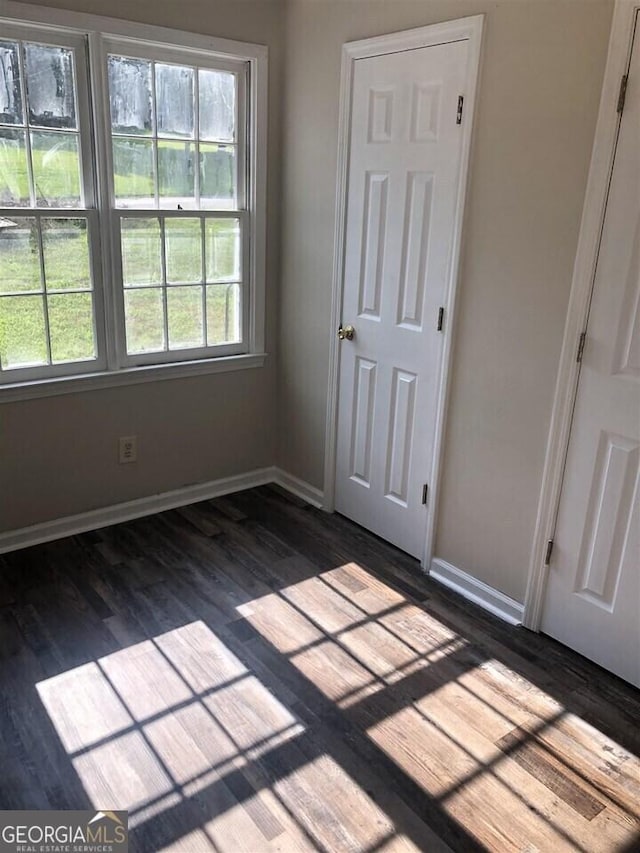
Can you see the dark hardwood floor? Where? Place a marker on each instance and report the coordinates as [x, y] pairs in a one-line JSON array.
[[250, 674]]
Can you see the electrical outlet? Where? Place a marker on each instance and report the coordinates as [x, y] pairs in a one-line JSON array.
[[128, 445]]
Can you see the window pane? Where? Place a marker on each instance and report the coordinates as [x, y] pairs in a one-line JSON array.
[[184, 307], [175, 173], [141, 251], [19, 256], [130, 95], [10, 96], [183, 247], [217, 105], [56, 169], [223, 249], [22, 331], [14, 176], [144, 318], [134, 172], [66, 254], [50, 86], [217, 175], [223, 314], [71, 327], [174, 100]]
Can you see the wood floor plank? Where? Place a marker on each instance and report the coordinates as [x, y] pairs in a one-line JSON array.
[[564, 801], [409, 829], [200, 519], [227, 508], [536, 761]]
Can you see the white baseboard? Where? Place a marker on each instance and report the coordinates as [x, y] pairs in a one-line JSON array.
[[491, 599], [299, 487], [71, 525], [12, 540]]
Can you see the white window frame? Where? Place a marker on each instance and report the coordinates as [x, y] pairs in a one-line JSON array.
[[115, 367], [115, 214], [87, 209]]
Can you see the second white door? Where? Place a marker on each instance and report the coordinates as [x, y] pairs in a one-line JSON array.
[[405, 159], [593, 592]]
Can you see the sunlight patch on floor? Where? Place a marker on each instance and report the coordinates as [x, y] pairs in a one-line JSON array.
[[154, 724], [178, 725], [83, 707], [124, 773], [355, 821]]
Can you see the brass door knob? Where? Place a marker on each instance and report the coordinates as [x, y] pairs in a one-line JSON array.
[[346, 332]]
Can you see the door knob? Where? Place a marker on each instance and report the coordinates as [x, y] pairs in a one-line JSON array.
[[346, 332]]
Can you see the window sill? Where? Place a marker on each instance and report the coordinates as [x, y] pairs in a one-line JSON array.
[[127, 376]]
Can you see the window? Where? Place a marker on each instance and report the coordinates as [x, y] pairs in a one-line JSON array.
[[130, 202], [48, 224]]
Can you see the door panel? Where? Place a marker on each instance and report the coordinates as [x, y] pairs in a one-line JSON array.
[[403, 395], [373, 241], [415, 249], [404, 172], [605, 538], [364, 395], [593, 594], [627, 359]]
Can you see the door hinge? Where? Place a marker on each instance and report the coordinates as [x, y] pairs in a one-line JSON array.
[[425, 492], [622, 94], [440, 319], [459, 113], [581, 342], [547, 556]]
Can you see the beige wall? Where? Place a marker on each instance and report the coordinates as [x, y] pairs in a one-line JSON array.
[[542, 71], [58, 456], [543, 64]]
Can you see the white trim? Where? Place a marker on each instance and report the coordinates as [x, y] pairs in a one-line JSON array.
[[300, 488], [13, 540], [475, 30], [88, 23], [130, 376], [344, 143], [71, 525], [480, 593], [257, 122], [606, 135], [446, 31], [463, 29]]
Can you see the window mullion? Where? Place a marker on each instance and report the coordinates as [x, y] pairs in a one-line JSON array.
[[203, 245], [241, 140], [43, 284], [102, 239], [27, 131], [165, 306], [115, 292], [154, 131], [196, 130]]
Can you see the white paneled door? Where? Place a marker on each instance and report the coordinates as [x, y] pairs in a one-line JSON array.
[[405, 167], [593, 593]]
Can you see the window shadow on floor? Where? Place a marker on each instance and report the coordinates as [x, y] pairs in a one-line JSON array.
[[266, 669]]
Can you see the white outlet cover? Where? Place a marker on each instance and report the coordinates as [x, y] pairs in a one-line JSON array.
[[128, 449]]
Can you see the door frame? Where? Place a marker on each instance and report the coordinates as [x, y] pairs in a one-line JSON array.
[[584, 272], [469, 29]]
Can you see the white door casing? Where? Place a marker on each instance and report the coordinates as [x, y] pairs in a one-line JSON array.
[[407, 165], [592, 598]]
